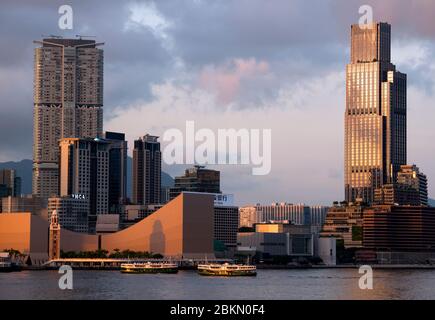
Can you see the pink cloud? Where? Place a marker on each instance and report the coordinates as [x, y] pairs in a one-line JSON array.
[[225, 81]]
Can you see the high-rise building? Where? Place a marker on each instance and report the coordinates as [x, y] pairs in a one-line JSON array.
[[147, 170], [226, 220], [375, 116], [164, 194], [117, 170], [68, 103], [17, 186], [397, 194], [410, 175], [409, 189], [84, 174], [9, 178], [196, 179]]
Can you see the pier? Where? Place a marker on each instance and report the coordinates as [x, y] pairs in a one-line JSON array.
[[115, 264]]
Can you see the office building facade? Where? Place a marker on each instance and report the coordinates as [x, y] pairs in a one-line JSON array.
[[410, 175], [196, 179], [117, 170], [72, 213], [399, 228], [11, 182], [249, 216], [277, 239], [375, 116], [226, 224], [147, 170], [397, 194], [68, 103], [299, 214], [410, 189], [84, 174]]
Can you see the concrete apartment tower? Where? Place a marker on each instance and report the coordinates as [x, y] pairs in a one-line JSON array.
[[68, 103], [375, 116], [147, 170]]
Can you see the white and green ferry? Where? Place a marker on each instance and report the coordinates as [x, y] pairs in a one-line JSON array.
[[149, 267], [227, 270]]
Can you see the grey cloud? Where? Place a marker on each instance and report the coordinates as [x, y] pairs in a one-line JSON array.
[[300, 40]]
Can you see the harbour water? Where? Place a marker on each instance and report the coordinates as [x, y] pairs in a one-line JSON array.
[[269, 284]]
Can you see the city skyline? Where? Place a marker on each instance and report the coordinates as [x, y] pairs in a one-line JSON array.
[[217, 150], [246, 71]]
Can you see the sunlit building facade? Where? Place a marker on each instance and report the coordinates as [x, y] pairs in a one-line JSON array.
[[196, 179], [298, 214], [68, 102], [410, 175], [375, 116], [84, 174]]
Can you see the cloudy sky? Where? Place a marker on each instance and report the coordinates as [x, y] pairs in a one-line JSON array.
[[273, 64]]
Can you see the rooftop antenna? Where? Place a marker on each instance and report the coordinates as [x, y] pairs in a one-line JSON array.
[[51, 36], [82, 36]]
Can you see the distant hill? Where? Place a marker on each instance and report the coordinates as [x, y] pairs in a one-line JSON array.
[[24, 170], [432, 202]]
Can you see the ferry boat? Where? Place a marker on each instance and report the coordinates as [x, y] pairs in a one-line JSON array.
[[227, 270], [6, 264], [149, 267]]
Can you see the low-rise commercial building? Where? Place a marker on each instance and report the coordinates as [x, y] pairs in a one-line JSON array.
[[399, 228], [345, 222], [277, 239], [299, 214]]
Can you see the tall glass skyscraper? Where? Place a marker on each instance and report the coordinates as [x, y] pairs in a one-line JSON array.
[[375, 116]]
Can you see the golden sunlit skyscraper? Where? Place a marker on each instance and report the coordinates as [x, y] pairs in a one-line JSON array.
[[375, 116]]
